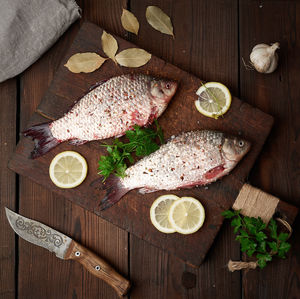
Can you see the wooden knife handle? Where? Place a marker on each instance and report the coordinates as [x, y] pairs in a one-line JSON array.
[[98, 267]]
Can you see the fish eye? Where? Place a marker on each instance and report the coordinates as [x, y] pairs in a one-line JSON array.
[[241, 143]]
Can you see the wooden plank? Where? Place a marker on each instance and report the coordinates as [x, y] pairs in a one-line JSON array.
[[164, 276], [194, 50], [41, 273], [277, 170], [106, 14], [241, 118], [112, 242], [8, 111], [155, 273], [41, 277]]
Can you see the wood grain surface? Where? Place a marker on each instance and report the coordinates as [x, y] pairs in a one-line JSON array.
[[211, 38], [132, 212], [8, 129], [40, 204], [278, 168], [193, 50]]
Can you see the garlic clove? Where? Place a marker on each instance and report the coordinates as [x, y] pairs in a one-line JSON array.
[[264, 57], [273, 65]]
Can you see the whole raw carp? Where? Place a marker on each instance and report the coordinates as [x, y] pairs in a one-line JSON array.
[[110, 109], [190, 159]]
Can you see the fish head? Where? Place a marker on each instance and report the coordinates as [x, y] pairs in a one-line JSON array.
[[234, 149], [162, 90]]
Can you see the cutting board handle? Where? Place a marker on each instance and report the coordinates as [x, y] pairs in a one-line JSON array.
[[98, 267], [254, 202]]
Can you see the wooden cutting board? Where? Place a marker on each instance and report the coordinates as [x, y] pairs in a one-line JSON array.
[[132, 212]]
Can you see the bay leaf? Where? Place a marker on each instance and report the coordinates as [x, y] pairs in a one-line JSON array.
[[109, 45], [133, 57], [130, 22], [159, 20], [84, 62]]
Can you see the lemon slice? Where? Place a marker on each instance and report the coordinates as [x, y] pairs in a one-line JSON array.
[[186, 215], [214, 99], [68, 169], [159, 213]]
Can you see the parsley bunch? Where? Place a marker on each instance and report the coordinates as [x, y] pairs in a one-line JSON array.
[[257, 238], [142, 142]]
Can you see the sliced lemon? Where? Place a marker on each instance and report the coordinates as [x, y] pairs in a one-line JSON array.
[[68, 169], [214, 99], [186, 215], [159, 213]]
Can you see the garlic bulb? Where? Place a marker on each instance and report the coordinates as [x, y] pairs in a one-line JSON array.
[[264, 58]]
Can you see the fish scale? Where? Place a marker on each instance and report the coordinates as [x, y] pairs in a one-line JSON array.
[[108, 110]]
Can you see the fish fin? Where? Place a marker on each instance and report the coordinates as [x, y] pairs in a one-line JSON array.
[[43, 138], [115, 190], [97, 183], [190, 185], [146, 190], [77, 142], [152, 116], [214, 172]]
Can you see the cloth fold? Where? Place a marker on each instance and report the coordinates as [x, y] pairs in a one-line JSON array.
[[28, 28]]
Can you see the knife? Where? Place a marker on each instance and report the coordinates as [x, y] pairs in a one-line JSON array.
[[65, 248]]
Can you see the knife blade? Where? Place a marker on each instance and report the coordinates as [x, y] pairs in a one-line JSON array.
[[65, 248]]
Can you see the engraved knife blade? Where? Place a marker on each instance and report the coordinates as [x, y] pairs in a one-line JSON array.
[[39, 234]]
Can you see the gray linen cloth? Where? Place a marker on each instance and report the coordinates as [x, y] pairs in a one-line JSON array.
[[30, 27]]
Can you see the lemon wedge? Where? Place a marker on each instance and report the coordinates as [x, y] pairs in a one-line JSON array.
[[214, 99], [186, 215], [68, 169], [159, 213]]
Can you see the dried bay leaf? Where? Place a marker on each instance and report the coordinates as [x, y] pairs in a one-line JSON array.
[[159, 20], [84, 62], [109, 45], [133, 57], [130, 22]]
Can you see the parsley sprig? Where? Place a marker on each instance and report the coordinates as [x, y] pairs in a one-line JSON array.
[[256, 238], [142, 142]]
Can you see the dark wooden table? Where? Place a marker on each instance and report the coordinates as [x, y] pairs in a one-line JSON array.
[[212, 36]]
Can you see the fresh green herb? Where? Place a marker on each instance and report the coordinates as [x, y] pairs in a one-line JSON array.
[[257, 238], [142, 142]]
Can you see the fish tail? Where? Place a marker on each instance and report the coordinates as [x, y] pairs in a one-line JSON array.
[[44, 140], [115, 190]]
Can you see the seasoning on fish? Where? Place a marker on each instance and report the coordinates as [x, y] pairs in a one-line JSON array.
[[110, 109], [190, 159]]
